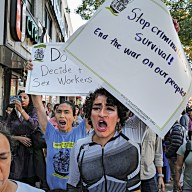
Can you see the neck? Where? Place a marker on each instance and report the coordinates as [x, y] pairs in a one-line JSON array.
[[3, 188], [8, 186], [65, 131], [102, 140]]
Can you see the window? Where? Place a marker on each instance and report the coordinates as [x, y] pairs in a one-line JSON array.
[[48, 23]]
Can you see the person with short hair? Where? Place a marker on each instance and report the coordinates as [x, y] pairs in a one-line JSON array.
[[189, 111], [78, 117], [151, 154], [59, 141], [184, 167], [49, 110], [6, 184], [173, 140], [184, 119], [106, 160]]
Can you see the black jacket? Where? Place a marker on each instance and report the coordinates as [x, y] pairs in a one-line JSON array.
[[173, 140]]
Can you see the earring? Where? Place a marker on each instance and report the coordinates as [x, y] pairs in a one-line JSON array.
[[118, 127]]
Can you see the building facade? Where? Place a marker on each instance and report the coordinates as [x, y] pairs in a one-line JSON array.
[[24, 23]]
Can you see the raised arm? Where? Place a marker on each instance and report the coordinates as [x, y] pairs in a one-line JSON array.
[[37, 103], [42, 118]]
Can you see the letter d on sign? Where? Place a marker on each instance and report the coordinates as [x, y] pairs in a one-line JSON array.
[[54, 53]]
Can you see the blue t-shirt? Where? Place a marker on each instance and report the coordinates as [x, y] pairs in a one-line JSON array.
[[59, 146]]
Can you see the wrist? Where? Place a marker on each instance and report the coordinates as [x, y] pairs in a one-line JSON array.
[[160, 175], [22, 111]]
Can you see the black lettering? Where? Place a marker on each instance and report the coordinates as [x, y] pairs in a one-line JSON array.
[[63, 58], [60, 80], [89, 80], [82, 80], [44, 70], [76, 79], [134, 14], [96, 31], [128, 51], [157, 69], [45, 83], [37, 82], [171, 60], [56, 54], [138, 35], [145, 61], [80, 70], [115, 43]]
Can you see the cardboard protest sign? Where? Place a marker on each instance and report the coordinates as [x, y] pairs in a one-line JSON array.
[[55, 74], [133, 48]]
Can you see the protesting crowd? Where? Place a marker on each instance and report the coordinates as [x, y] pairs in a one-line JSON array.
[[100, 147]]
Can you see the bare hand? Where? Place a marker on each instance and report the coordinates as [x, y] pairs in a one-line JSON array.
[[29, 65], [18, 105], [25, 141], [176, 25], [161, 185], [179, 187]]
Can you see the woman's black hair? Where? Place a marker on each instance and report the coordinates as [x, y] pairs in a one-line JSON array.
[[121, 109], [72, 106], [6, 133], [55, 106], [30, 99], [28, 109], [77, 106], [49, 104]]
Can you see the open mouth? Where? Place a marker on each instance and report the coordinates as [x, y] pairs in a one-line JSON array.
[[62, 123], [102, 126]]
